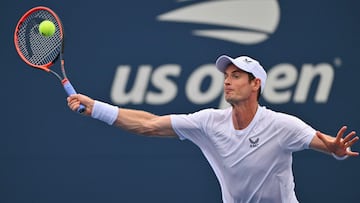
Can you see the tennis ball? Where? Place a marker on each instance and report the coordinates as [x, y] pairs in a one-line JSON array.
[[47, 28]]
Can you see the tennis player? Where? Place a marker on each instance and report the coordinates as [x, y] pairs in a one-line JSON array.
[[248, 146]]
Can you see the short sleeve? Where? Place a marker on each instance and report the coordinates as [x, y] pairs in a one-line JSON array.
[[298, 134], [190, 126]]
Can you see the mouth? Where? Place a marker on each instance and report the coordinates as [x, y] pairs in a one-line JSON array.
[[227, 90]]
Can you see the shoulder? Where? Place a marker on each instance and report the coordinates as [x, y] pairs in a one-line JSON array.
[[217, 115], [191, 125], [202, 117], [206, 114], [216, 112], [282, 120], [277, 115]]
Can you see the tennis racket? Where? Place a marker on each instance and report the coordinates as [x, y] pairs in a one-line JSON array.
[[40, 51]]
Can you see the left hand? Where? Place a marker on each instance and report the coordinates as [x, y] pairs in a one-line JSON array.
[[339, 145]]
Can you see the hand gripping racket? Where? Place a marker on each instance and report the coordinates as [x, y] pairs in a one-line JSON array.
[[40, 51]]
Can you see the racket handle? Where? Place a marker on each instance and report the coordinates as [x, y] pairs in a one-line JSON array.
[[69, 89]]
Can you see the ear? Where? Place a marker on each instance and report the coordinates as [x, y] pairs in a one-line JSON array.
[[257, 84]]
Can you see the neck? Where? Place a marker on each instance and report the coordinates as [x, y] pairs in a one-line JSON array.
[[243, 114]]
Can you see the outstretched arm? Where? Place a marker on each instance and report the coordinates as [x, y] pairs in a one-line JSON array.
[[338, 146], [135, 121]]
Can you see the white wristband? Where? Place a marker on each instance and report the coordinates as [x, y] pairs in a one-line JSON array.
[[341, 157], [104, 112]]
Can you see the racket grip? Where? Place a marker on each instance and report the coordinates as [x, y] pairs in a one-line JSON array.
[[69, 89]]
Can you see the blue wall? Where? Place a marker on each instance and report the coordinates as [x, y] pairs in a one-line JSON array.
[[50, 154]]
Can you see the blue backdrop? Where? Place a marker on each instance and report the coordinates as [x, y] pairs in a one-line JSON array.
[[50, 154]]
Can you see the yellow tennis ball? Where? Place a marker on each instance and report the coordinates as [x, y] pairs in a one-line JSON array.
[[47, 28]]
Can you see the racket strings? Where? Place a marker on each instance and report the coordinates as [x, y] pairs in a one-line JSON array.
[[38, 49]]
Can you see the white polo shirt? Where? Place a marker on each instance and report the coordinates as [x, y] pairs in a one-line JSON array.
[[253, 165]]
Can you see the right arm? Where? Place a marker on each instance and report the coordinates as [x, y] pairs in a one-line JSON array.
[[134, 121]]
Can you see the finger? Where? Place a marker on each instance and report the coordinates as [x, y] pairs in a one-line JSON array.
[[352, 142], [71, 102], [349, 136], [340, 133], [351, 153], [72, 98], [74, 105]]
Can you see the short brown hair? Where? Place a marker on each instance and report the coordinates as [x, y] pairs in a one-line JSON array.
[[252, 77]]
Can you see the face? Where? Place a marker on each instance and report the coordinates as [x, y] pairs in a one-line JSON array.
[[237, 87]]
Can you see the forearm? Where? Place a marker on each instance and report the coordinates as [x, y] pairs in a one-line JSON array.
[[135, 121], [318, 145]]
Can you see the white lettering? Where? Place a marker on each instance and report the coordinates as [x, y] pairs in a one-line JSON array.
[[168, 89], [285, 83], [137, 92], [307, 76], [280, 79], [193, 85]]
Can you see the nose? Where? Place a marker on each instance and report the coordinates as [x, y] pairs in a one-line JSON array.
[[226, 81]]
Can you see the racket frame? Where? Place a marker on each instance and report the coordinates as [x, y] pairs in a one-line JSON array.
[[46, 67]]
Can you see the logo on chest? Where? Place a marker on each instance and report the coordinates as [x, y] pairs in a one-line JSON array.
[[254, 141]]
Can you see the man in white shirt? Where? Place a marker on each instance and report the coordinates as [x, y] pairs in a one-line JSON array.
[[248, 146]]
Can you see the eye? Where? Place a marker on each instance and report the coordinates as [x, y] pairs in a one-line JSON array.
[[235, 75]]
